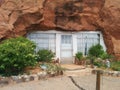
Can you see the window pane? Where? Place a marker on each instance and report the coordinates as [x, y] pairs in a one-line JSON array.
[[43, 40], [66, 39], [86, 40]]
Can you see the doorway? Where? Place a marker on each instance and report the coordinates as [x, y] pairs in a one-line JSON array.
[[66, 49]]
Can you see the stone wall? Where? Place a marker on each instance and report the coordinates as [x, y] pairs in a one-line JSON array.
[[17, 17]]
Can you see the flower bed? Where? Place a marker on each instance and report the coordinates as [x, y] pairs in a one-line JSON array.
[[26, 78], [33, 74]]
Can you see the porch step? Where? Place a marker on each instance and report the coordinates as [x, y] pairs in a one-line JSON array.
[[72, 67], [81, 72]]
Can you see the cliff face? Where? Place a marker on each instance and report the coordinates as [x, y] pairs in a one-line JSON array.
[[17, 17], [110, 22]]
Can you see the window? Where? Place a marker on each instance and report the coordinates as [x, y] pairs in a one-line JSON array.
[[86, 40], [66, 39], [43, 40]]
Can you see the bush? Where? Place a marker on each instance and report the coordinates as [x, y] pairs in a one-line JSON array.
[[105, 55], [45, 55], [79, 55], [15, 55], [99, 63], [115, 65], [96, 51]]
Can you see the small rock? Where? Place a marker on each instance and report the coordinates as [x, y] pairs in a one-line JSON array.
[[39, 74], [31, 78], [15, 78], [114, 75], [42, 75], [111, 73], [25, 78], [118, 74], [34, 76], [52, 74]]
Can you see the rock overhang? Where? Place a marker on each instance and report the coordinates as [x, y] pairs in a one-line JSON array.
[[19, 17]]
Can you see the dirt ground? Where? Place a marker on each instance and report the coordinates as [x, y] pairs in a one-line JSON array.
[[71, 80]]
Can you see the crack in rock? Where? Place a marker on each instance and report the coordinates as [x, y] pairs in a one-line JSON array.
[[74, 82]]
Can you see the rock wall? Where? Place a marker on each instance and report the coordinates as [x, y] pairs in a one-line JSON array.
[[17, 17]]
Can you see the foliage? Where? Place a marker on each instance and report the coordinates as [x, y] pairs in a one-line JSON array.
[[99, 63], [50, 67], [115, 65], [96, 51], [90, 59], [105, 55], [45, 55], [16, 54], [79, 55]]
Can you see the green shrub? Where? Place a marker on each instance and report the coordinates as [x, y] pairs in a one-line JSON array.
[[99, 63], [96, 51], [15, 55], [79, 55], [45, 55], [115, 65], [105, 55]]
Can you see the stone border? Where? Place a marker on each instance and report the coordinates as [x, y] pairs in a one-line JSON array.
[[26, 78], [107, 73]]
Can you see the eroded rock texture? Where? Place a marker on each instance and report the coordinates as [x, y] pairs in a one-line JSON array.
[[17, 17]]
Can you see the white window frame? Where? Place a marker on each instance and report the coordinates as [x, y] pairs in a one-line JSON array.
[[74, 39]]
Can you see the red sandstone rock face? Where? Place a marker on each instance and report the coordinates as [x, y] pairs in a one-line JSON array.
[[17, 17], [110, 15]]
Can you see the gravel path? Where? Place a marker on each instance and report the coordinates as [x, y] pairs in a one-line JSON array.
[[72, 80], [57, 83], [89, 82]]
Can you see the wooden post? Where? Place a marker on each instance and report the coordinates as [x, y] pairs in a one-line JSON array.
[[98, 80]]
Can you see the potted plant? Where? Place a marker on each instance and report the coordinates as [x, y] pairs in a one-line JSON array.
[[79, 59]]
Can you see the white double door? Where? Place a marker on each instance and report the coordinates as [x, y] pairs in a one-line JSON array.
[[66, 48]]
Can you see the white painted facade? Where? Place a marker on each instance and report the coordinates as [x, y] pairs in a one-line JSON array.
[[66, 44]]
